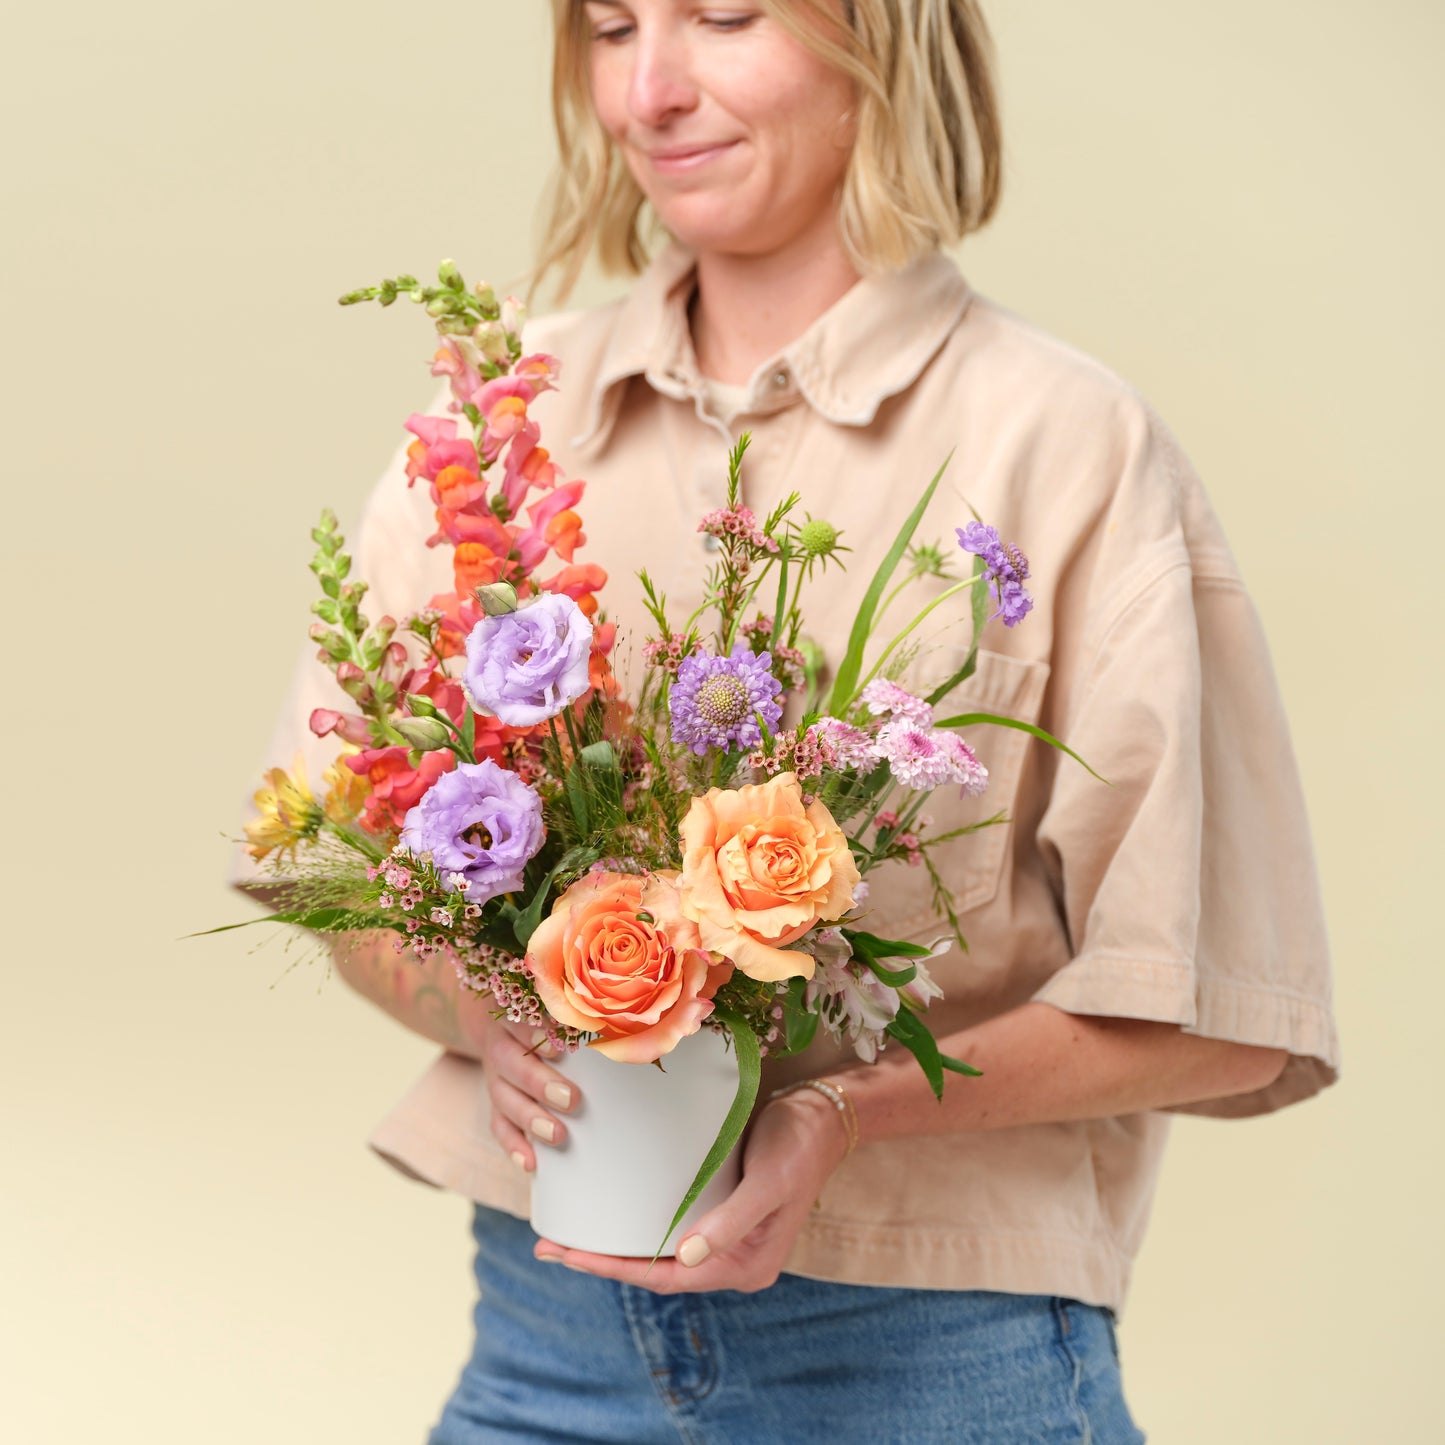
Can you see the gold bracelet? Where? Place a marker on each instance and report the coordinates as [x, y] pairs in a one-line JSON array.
[[835, 1093]]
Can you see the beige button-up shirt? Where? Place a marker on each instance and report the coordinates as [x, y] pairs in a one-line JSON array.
[[1185, 891]]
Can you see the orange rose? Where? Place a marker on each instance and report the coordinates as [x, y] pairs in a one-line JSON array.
[[617, 957], [759, 870]]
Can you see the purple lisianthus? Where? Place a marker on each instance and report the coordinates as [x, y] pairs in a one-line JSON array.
[[715, 700], [526, 666], [1004, 566], [479, 821]]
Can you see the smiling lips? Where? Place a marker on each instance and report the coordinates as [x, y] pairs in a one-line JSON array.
[[683, 158]]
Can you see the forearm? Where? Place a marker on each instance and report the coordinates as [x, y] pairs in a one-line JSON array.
[[423, 994], [1042, 1065]]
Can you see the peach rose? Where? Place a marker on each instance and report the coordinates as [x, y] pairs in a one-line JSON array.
[[617, 957], [759, 870]]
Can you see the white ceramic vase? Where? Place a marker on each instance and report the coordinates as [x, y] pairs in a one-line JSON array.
[[634, 1145]]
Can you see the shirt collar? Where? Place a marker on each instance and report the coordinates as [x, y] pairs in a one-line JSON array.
[[869, 345]]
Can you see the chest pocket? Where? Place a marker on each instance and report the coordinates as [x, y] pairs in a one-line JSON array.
[[1012, 687]]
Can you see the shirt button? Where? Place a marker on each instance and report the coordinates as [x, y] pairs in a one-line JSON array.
[[780, 377]]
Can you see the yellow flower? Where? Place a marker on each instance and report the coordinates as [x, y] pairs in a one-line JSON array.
[[288, 812], [346, 792]]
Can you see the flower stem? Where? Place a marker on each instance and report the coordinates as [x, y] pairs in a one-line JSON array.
[[937, 601]]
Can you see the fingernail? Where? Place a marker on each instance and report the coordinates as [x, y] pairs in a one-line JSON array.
[[693, 1250], [544, 1129], [558, 1094], [519, 1159], [550, 1258]]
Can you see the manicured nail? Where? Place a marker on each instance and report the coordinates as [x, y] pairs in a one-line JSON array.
[[558, 1094], [519, 1159], [693, 1250], [544, 1129]]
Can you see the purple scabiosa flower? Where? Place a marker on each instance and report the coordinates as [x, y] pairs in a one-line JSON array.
[[714, 700], [526, 666], [1004, 566], [478, 820], [883, 696], [852, 747], [914, 756]]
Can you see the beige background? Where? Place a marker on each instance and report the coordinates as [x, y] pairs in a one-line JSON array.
[[1235, 205]]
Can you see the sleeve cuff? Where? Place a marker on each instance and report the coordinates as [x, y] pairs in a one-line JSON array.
[[1172, 992]]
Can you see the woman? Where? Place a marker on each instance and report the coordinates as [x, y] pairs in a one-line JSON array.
[[1150, 946]]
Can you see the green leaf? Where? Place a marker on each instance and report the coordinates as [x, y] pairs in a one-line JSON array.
[[469, 730], [846, 679], [800, 1024], [524, 925], [968, 719], [319, 920], [750, 1072], [958, 1066], [885, 947], [576, 789], [914, 1035]]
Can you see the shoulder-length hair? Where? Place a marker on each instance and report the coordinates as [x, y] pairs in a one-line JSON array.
[[926, 166]]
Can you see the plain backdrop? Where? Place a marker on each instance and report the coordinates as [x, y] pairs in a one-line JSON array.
[[1237, 206]]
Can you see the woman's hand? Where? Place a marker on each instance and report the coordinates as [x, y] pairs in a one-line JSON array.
[[526, 1092], [791, 1150]]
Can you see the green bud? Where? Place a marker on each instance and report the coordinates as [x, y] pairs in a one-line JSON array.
[[423, 732], [352, 297], [491, 340], [497, 598], [449, 276], [405, 281], [438, 306], [454, 326], [817, 537], [420, 706], [486, 296]]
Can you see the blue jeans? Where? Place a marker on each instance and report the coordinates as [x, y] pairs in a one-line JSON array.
[[564, 1356]]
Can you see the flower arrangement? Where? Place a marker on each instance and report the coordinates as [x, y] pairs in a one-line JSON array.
[[623, 872]]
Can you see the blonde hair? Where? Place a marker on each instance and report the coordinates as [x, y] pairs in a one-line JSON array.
[[927, 159]]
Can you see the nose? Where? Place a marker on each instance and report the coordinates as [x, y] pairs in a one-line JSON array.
[[661, 87]]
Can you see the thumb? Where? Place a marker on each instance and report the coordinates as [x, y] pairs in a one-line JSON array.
[[755, 1200]]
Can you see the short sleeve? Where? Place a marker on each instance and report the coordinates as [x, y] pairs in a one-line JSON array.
[[1190, 887], [389, 552]]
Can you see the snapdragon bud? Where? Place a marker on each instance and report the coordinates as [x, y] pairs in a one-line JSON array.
[[420, 706], [448, 275], [514, 315], [486, 296], [491, 341], [497, 598]]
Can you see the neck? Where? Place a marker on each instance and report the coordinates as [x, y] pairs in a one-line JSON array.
[[747, 308]]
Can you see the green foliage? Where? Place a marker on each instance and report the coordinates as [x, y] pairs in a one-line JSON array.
[[745, 1044], [845, 683]]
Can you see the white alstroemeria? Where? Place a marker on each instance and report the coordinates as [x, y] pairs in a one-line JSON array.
[[922, 990], [851, 1002]]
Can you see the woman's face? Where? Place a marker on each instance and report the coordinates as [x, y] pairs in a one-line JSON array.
[[738, 134]]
